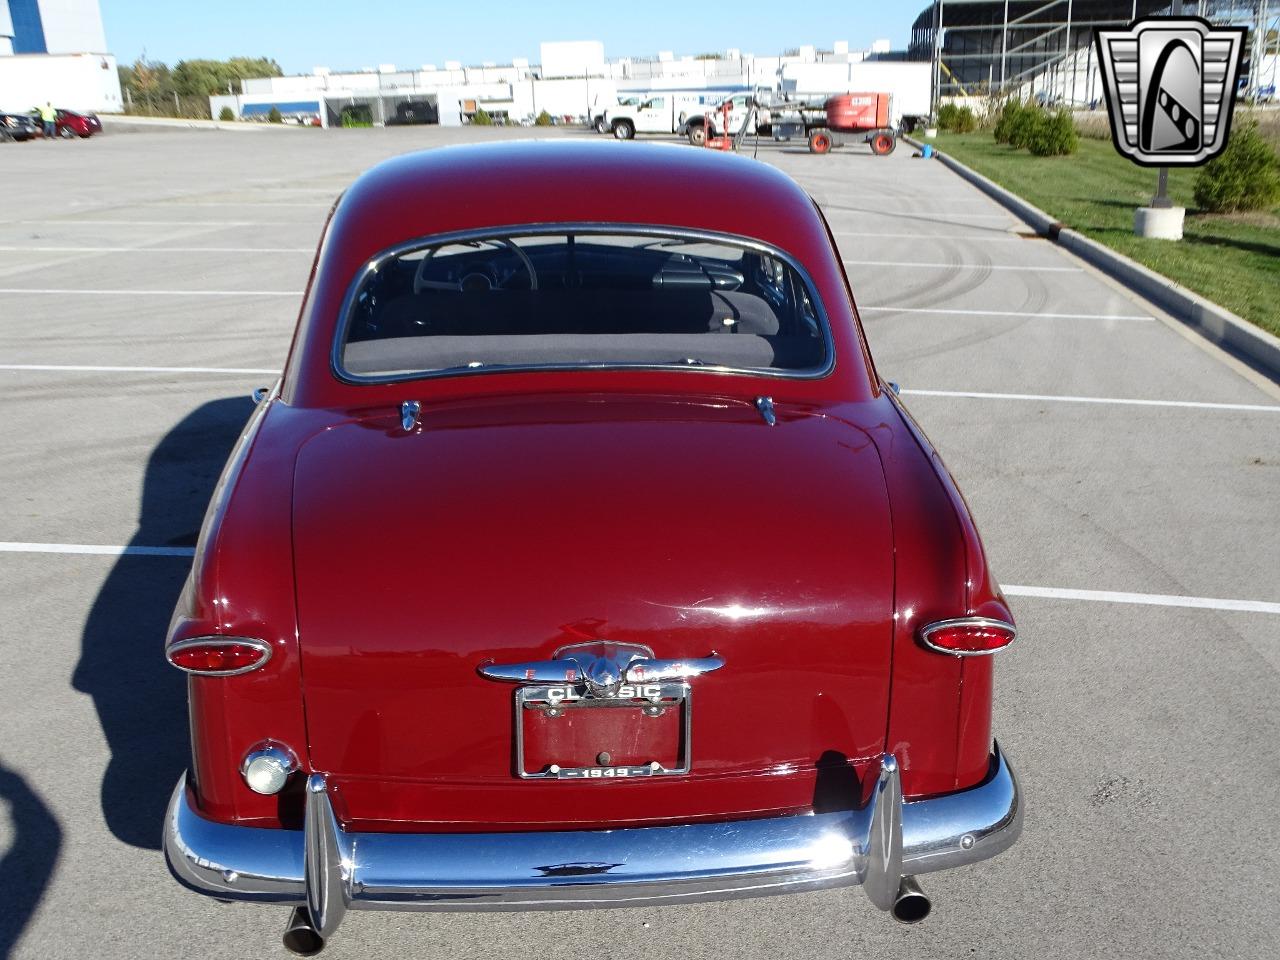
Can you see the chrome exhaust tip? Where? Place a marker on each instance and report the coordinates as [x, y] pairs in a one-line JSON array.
[[300, 936], [910, 905]]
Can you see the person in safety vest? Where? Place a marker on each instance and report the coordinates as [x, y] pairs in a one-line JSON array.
[[49, 115]]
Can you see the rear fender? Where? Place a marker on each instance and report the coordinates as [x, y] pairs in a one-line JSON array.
[[241, 584], [940, 708]]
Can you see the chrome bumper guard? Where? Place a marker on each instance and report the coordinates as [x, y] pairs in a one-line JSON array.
[[329, 870]]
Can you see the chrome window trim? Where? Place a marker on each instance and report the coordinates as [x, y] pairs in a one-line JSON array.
[[927, 631], [220, 642], [375, 262]]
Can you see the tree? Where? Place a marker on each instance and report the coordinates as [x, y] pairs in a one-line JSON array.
[[273, 115], [147, 80], [208, 77], [227, 114]]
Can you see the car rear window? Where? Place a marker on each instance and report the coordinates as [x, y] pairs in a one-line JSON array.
[[584, 297]]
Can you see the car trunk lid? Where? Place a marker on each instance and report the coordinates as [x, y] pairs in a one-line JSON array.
[[501, 531]]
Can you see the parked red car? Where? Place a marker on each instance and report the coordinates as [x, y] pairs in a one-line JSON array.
[[71, 124], [581, 558]]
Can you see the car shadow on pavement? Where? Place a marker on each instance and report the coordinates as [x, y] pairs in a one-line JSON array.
[[27, 866], [140, 699]]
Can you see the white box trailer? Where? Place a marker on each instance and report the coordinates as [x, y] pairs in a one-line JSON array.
[[76, 81]]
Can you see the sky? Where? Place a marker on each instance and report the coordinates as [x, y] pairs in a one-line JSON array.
[[353, 34]]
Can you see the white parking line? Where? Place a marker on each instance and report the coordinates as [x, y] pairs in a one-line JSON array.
[[158, 249], [274, 185], [242, 203], [1054, 593], [969, 237], [903, 212], [957, 394], [1143, 599], [932, 207], [77, 368], [958, 266], [1040, 397], [1009, 313], [57, 221], [152, 293], [96, 549]]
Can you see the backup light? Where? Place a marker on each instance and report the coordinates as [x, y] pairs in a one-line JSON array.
[[267, 766], [968, 636], [218, 656]]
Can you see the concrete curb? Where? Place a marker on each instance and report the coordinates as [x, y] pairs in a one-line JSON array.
[[1235, 334]]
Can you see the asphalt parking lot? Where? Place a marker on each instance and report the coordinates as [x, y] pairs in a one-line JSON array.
[[149, 281]]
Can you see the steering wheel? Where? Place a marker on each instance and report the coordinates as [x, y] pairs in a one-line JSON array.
[[420, 282]]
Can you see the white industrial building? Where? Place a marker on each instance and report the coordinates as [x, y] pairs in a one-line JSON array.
[[573, 80], [56, 50]]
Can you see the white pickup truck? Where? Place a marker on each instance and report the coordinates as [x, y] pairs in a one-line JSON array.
[[600, 121], [677, 112], [697, 130]]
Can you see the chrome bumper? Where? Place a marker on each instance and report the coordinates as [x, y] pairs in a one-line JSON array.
[[329, 870]]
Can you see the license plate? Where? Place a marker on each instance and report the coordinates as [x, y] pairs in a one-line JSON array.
[[562, 734]]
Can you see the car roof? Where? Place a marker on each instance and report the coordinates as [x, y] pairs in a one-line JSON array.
[[568, 180], [564, 181]]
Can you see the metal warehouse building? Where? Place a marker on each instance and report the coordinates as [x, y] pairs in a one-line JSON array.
[[1044, 49]]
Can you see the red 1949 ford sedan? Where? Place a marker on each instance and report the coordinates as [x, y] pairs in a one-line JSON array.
[[581, 558]]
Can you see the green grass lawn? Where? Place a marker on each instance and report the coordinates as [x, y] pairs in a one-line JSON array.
[[1232, 259]]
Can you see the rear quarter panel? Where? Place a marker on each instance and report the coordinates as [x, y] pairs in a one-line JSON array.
[[940, 714], [241, 584]]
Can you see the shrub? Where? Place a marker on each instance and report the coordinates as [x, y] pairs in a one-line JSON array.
[[227, 115], [1016, 123], [273, 115], [957, 119], [1023, 125], [482, 118], [1245, 176], [1013, 122], [1006, 119], [544, 119], [1053, 134]]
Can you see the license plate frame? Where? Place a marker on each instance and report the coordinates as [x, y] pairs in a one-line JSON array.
[[670, 695]]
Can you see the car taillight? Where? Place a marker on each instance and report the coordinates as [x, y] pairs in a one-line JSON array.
[[968, 636], [218, 656]]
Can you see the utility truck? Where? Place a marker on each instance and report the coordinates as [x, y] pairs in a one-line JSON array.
[[666, 111]]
